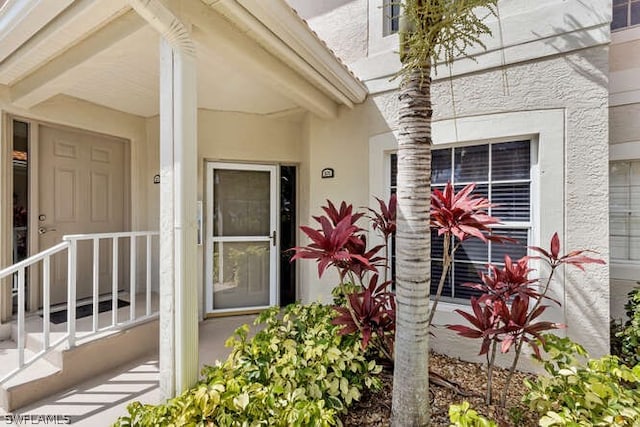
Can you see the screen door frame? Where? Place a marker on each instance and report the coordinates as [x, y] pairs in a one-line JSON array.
[[273, 238]]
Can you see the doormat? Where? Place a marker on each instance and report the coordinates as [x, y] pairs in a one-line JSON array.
[[85, 310]]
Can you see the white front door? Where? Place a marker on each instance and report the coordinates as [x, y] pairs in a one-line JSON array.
[[81, 188], [241, 244]]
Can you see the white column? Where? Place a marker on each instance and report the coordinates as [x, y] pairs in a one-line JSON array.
[[178, 154]]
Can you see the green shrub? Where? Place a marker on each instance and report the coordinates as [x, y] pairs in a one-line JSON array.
[[629, 335], [297, 371], [463, 416], [580, 392]]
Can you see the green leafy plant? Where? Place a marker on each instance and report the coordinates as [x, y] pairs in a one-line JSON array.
[[629, 335], [507, 312], [297, 371], [463, 416], [581, 391]]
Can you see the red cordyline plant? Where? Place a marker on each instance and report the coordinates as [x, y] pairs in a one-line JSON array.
[[342, 244], [458, 217], [507, 312]]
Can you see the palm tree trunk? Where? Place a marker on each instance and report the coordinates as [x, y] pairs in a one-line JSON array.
[[413, 247]]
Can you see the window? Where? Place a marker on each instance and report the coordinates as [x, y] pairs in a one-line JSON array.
[[624, 210], [391, 17], [626, 13], [502, 172]]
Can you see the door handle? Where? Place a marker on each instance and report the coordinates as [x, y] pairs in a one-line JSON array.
[[273, 237], [43, 230]]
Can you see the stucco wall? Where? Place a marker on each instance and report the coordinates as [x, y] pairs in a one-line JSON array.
[[232, 137], [342, 24], [571, 81]]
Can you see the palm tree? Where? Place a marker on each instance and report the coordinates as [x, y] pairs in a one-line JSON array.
[[430, 31]]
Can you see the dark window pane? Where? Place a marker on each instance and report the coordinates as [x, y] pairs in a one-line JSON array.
[[510, 160], [619, 18], [394, 171], [620, 2], [515, 250], [441, 166], [437, 245], [472, 163], [436, 272], [635, 13], [288, 232], [466, 273], [473, 249], [513, 201], [395, 18]]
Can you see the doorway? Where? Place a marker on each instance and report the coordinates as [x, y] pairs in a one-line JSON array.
[[242, 237]]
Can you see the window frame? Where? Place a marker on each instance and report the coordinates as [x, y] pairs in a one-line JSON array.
[[526, 226], [388, 17], [624, 269], [628, 23], [545, 128]]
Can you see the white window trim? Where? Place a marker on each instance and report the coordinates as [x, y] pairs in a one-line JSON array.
[[546, 128], [621, 269]]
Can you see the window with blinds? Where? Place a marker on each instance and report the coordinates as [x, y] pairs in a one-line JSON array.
[[624, 210], [391, 16], [502, 173], [625, 13]]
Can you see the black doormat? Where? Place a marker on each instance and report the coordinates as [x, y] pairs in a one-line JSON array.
[[85, 310]]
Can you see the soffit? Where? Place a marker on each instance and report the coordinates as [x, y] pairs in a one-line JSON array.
[[125, 75], [82, 24]]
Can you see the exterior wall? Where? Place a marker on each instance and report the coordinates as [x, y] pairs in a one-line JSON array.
[[624, 124], [556, 66], [78, 114], [231, 137]]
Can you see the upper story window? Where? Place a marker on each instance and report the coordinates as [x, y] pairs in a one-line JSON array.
[[502, 172], [626, 13], [624, 210], [391, 17]]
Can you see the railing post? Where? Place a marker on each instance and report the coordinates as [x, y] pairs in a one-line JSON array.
[[114, 282], [21, 325], [96, 281], [148, 276], [71, 289], [132, 278], [46, 301]]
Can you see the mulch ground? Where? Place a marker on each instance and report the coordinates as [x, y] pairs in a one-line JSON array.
[[374, 409]]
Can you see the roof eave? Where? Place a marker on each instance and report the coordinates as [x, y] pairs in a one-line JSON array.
[[279, 29]]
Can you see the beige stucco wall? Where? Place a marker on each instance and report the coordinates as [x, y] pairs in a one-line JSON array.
[[573, 82], [232, 137]]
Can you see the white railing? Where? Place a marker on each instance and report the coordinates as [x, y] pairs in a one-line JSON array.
[[69, 246]]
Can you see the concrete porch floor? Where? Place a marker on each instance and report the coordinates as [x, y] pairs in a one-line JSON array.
[[99, 401]]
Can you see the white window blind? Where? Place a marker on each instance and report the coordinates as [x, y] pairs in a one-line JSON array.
[[624, 210], [502, 173]]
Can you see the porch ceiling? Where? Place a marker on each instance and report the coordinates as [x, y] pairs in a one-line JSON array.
[[102, 52]]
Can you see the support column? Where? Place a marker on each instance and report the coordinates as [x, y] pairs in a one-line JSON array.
[[178, 162]]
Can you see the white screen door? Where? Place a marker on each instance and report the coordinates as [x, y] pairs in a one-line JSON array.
[[241, 251]]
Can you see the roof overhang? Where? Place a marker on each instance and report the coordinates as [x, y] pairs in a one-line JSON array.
[[265, 39]]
